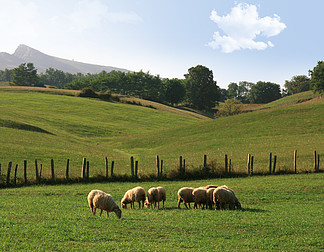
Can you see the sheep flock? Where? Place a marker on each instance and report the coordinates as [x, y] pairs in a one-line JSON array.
[[210, 196]]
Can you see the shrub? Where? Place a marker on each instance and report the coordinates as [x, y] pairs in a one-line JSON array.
[[229, 107], [88, 92]]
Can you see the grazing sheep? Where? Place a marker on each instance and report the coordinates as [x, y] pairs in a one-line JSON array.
[[185, 196], [103, 201], [210, 201], [210, 186], [136, 194], [155, 194], [200, 197], [226, 198]]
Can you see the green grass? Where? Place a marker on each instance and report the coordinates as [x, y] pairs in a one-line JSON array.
[[281, 213], [43, 126]]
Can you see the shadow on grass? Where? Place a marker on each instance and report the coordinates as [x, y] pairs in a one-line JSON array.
[[22, 126], [253, 210]]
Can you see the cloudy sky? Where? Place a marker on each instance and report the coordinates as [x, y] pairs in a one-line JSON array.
[[250, 40]]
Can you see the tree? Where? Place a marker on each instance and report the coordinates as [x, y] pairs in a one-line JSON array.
[[174, 90], [201, 88], [297, 84], [240, 91], [55, 77], [317, 77], [25, 75], [264, 92], [229, 107]]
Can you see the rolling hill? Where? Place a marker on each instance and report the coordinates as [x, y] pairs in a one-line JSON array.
[[42, 126]]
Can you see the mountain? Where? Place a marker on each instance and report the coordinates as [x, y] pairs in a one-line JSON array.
[[42, 61]]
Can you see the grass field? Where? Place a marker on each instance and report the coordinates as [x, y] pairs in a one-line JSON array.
[[281, 213], [38, 125]]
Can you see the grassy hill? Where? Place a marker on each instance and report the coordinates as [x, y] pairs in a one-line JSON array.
[[38, 125]]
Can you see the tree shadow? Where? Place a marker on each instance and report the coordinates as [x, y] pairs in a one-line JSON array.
[[253, 210]]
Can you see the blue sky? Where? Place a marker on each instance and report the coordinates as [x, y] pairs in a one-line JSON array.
[[251, 40]]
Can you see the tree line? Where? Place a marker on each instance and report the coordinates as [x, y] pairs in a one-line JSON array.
[[198, 88]]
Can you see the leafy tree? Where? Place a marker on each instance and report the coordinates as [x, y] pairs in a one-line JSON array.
[[25, 75], [317, 77], [55, 77], [201, 88], [229, 107], [264, 92], [5, 75], [240, 91], [297, 84], [174, 90]]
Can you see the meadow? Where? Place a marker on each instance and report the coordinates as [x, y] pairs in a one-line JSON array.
[[41, 124], [282, 213]]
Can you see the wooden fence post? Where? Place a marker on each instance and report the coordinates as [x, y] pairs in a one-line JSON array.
[[84, 164], [315, 161], [252, 160], [205, 161], [226, 164], [112, 168], [158, 165], [25, 171], [274, 164], [40, 172], [161, 168], [230, 166], [249, 164], [88, 166], [36, 170], [184, 167], [67, 169], [52, 169], [106, 163], [132, 166], [15, 177], [318, 162], [180, 165], [8, 172], [270, 162], [0, 173], [295, 161], [136, 168]]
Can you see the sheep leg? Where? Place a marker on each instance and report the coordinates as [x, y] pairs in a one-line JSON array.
[[107, 214], [158, 204], [100, 212], [179, 201], [163, 204], [139, 205], [94, 211]]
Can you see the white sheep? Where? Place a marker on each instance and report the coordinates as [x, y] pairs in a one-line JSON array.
[[226, 198], [98, 199], [200, 197], [210, 186], [136, 194], [155, 194], [185, 196], [210, 201]]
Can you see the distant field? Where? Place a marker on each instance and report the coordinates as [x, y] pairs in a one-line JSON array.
[[38, 125], [280, 213]]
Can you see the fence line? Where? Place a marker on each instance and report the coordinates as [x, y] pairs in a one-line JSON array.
[[182, 173]]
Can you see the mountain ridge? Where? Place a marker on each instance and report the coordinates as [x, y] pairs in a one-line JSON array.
[[42, 61]]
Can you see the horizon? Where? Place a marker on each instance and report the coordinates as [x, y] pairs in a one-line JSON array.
[[238, 40]]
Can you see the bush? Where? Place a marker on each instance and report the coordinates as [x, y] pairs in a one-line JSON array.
[[105, 95], [229, 107], [88, 92]]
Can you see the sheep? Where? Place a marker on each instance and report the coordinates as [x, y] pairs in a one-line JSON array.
[[103, 201], [210, 201], [155, 194], [185, 196], [225, 197], [136, 194], [210, 186], [200, 197]]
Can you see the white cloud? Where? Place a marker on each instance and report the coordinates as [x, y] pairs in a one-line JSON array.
[[242, 26]]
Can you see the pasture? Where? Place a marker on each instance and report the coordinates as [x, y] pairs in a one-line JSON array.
[[282, 213], [43, 125]]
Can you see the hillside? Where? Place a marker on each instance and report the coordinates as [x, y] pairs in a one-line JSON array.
[[42, 61], [43, 126]]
